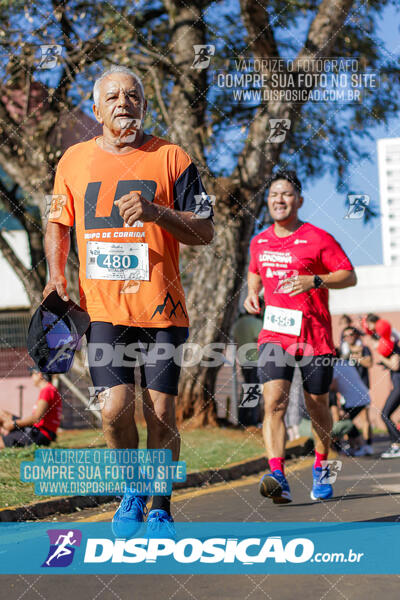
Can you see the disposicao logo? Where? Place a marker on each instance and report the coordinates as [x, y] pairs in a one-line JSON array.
[[62, 547], [192, 550]]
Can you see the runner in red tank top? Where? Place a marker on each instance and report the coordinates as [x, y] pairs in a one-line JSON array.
[[296, 264]]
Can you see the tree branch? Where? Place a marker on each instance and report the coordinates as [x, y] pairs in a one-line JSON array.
[[32, 228], [188, 97], [12, 203], [261, 38], [325, 27], [259, 156], [161, 103], [138, 21]]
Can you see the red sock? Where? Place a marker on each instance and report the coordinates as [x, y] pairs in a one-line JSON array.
[[318, 458], [277, 463]]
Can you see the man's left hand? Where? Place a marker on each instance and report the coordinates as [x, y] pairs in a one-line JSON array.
[[133, 207], [300, 284]]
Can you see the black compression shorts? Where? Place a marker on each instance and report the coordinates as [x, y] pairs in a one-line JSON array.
[[276, 363], [115, 350], [25, 436]]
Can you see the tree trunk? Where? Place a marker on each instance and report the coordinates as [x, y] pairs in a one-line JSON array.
[[213, 299]]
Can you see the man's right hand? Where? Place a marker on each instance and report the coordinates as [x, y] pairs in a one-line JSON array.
[[252, 303], [58, 284]]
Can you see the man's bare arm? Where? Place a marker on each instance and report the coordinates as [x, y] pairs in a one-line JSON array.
[[254, 285], [57, 244], [41, 408], [392, 362], [365, 361], [336, 280], [186, 227], [339, 280]]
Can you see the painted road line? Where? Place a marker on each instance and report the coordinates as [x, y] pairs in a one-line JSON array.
[[369, 475], [392, 488]]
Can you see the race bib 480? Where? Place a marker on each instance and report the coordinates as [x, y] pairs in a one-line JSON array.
[[109, 260]]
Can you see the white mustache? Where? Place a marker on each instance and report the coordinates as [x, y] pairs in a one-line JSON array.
[[131, 122]]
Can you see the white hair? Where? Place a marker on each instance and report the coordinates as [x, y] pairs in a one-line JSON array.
[[110, 71]]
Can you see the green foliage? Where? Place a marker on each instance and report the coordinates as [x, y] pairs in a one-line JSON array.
[[201, 449]]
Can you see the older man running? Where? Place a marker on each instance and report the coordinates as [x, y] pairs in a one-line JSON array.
[[133, 198]]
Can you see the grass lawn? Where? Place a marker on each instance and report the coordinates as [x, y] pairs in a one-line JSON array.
[[201, 449]]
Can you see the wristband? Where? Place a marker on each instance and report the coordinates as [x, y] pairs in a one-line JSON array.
[[317, 281], [14, 419]]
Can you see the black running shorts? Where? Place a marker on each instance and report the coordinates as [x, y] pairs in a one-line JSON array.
[[25, 436], [276, 363], [115, 350]]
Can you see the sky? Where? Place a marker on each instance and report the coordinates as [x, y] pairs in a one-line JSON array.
[[324, 207]]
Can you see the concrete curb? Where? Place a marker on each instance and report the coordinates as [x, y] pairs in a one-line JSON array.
[[46, 508]]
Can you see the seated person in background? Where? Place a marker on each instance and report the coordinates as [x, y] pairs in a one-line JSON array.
[[41, 427], [344, 322], [377, 327], [361, 355], [355, 397], [385, 342]]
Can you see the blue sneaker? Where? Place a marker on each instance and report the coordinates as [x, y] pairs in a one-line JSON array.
[[160, 524], [129, 515], [274, 485], [320, 489]]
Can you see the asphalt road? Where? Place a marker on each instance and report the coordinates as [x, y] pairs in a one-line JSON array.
[[367, 489]]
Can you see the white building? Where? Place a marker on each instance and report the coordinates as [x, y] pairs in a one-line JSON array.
[[377, 291], [13, 295], [389, 189]]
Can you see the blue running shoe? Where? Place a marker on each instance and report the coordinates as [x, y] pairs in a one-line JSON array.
[[129, 515], [160, 524], [274, 485], [321, 490]]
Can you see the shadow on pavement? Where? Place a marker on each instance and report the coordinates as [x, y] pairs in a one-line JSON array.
[[340, 498], [391, 518]]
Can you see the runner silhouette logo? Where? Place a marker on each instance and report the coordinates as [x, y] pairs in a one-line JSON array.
[[251, 395], [358, 203], [202, 56], [62, 547], [330, 471], [50, 54], [279, 129], [204, 204]]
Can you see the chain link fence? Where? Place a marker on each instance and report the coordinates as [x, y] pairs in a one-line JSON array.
[[14, 357]]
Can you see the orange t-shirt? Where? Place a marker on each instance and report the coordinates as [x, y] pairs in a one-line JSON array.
[[88, 182]]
